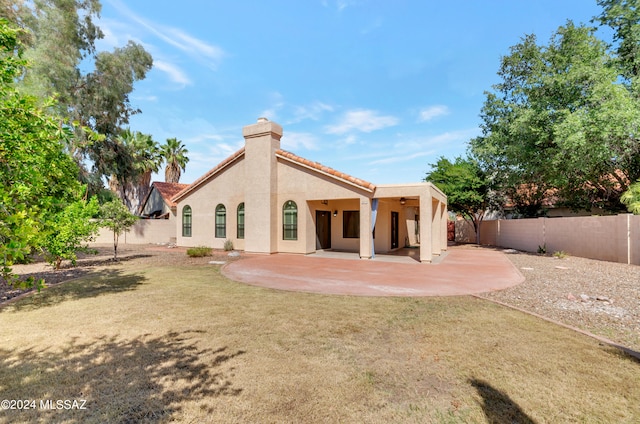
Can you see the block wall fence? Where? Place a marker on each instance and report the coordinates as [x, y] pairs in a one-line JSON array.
[[144, 231], [613, 238]]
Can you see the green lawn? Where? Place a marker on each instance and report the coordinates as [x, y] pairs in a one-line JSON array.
[[185, 344]]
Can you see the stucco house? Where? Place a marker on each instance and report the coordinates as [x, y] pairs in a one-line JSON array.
[[267, 200]]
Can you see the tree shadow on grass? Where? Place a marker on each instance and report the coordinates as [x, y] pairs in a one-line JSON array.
[[622, 352], [498, 407], [147, 379], [107, 281]]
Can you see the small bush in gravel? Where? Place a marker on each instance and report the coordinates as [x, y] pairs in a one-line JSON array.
[[560, 254], [198, 252], [228, 245]]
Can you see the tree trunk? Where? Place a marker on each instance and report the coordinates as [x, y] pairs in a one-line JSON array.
[[144, 184], [115, 245], [172, 173]]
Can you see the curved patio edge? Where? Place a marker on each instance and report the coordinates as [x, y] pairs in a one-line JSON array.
[[461, 272]]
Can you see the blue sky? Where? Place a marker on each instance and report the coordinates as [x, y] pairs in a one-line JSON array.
[[376, 89]]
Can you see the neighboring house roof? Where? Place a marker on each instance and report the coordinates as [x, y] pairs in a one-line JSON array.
[[210, 174], [166, 190], [365, 185], [283, 154]]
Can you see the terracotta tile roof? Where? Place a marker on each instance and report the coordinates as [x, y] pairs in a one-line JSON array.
[[168, 190], [326, 170], [197, 183]]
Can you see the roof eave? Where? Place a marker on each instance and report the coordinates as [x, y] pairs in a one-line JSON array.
[[368, 189]]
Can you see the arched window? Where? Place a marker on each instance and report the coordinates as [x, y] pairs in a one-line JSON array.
[[221, 221], [240, 230], [290, 220], [186, 221]]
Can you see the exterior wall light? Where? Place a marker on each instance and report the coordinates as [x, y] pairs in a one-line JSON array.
[[335, 213], [403, 200]]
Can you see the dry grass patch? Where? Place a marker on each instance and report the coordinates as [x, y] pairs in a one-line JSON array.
[[185, 344]]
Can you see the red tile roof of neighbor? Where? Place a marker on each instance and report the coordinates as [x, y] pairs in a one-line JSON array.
[[285, 155], [168, 190], [326, 170]]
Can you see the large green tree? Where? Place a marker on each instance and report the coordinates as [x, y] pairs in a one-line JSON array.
[[560, 123], [92, 88], [37, 176], [623, 17], [467, 188]]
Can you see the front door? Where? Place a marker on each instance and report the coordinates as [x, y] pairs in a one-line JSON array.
[[395, 220], [323, 229]]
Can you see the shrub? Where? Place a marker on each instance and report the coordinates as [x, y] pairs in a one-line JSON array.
[[542, 250], [560, 254], [228, 245], [198, 252]]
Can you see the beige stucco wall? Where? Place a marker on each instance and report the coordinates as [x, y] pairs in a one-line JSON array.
[[610, 238], [601, 237], [144, 231], [227, 190], [521, 234], [634, 238], [410, 213], [308, 189], [488, 232]]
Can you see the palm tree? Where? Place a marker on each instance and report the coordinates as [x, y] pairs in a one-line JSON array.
[[175, 156], [143, 157], [148, 158]]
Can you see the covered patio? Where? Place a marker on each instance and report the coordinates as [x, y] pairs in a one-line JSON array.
[[396, 217]]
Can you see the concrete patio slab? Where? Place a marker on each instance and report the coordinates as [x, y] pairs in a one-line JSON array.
[[462, 271]]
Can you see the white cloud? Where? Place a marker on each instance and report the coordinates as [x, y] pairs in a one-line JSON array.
[[313, 111], [362, 120], [110, 38], [200, 50], [339, 4], [175, 73], [205, 137], [295, 140], [191, 45], [372, 27], [350, 139], [150, 98], [401, 158], [448, 138], [431, 112], [277, 102]]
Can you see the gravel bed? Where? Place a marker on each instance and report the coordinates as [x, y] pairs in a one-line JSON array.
[[597, 296]]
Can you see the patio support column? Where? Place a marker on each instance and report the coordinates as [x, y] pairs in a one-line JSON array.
[[443, 227], [436, 220], [426, 214], [366, 236]]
